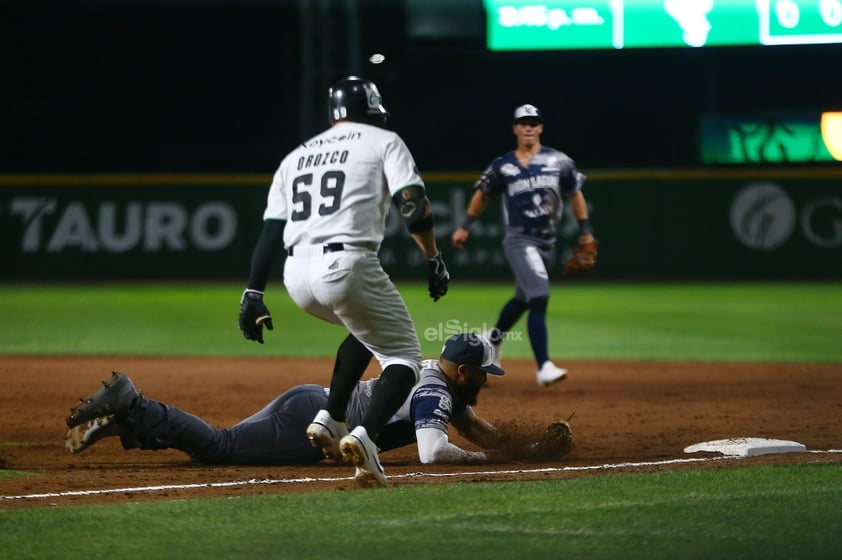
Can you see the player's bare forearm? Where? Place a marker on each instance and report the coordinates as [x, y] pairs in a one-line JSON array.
[[580, 211], [479, 202], [424, 234], [476, 207], [478, 430], [579, 206], [426, 242]]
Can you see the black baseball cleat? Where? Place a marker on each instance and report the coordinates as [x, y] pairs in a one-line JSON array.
[[113, 399]]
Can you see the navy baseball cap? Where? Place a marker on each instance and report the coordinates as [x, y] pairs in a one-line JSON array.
[[528, 112], [471, 350]]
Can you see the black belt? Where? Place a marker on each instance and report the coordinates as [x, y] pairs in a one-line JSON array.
[[533, 232], [326, 248]]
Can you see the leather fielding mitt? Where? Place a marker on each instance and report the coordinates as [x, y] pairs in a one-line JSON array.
[[583, 259], [555, 442], [519, 442]]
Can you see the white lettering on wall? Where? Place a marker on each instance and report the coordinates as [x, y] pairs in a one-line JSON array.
[[203, 235], [825, 211], [32, 210], [115, 228], [764, 217], [116, 241]]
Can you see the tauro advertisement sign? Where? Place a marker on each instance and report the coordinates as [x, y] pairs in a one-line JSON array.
[[706, 225], [51, 226]]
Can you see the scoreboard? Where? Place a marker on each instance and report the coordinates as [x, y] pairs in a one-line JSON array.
[[616, 24]]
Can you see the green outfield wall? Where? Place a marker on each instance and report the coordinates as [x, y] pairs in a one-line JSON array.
[[651, 224]]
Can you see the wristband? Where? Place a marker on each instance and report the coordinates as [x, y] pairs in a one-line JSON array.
[[248, 291], [469, 221], [585, 227]]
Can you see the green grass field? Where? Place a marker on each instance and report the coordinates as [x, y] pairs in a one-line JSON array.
[[744, 512], [743, 322], [761, 512]]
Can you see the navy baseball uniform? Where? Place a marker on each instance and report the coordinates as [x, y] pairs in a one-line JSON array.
[[276, 434], [532, 180], [532, 210]]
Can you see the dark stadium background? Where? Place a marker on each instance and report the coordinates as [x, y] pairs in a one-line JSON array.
[[133, 86]]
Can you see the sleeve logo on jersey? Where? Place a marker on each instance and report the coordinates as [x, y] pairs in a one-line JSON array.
[[510, 170], [445, 403], [552, 165]]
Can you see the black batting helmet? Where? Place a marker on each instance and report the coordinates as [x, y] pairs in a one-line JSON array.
[[356, 99]]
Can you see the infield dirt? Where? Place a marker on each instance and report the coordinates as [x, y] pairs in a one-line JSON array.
[[625, 412]]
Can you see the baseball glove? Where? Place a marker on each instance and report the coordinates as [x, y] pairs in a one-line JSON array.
[[583, 259], [555, 441]]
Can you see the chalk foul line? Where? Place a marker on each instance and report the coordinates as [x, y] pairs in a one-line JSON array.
[[304, 480]]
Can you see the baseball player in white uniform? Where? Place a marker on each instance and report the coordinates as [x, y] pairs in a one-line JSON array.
[[327, 206]]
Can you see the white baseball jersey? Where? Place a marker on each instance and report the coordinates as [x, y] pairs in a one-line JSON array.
[[337, 186]]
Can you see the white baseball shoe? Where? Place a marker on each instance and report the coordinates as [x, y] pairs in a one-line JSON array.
[[325, 432], [550, 373], [497, 354], [358, 449]]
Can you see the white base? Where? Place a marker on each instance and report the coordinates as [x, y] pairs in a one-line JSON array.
[[747, 446]]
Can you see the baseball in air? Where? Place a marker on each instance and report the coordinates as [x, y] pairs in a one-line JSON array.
[[376, 58]]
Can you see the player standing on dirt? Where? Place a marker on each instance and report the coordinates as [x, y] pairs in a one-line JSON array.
[[532, 179], [327, 206]]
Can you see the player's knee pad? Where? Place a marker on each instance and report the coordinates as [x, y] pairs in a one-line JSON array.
[[539, 303]]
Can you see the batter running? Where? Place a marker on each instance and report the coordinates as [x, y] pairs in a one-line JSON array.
[[327, 206]]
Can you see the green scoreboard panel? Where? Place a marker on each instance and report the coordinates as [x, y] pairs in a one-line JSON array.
[[618, 24], [781, 137]]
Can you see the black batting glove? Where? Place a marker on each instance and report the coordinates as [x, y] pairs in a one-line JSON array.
[[437, 277], [254, 315]]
